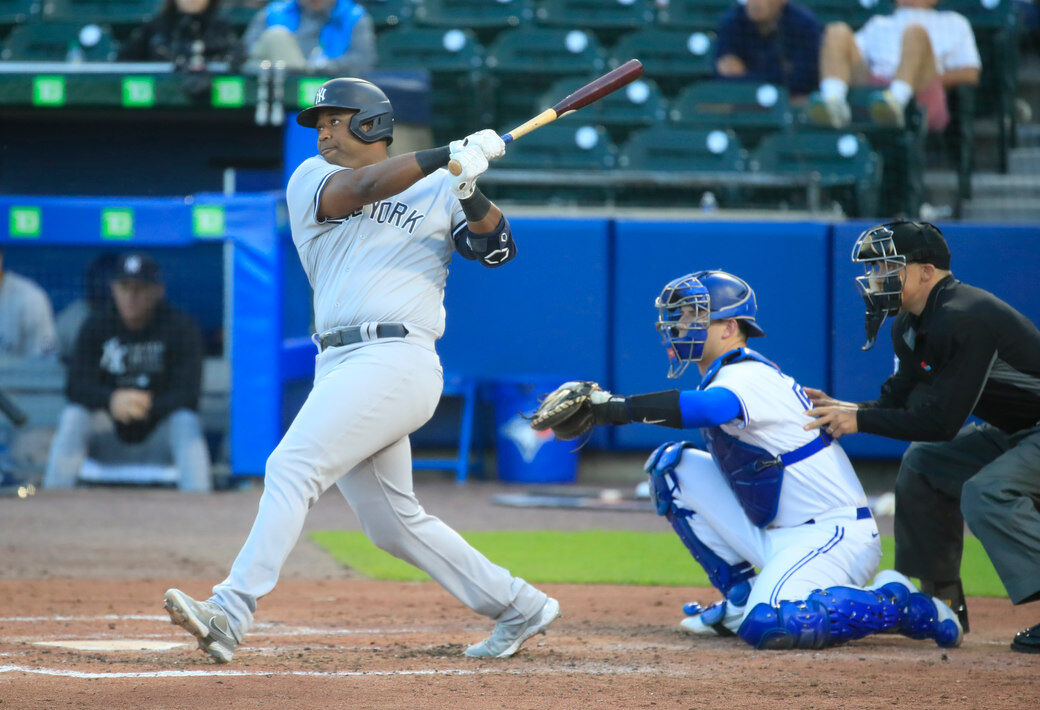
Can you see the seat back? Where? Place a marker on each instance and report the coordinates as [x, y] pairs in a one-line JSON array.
[[58, 42], [607, 18], [674, 58], [389, 13], [637, 105], [430, 48], [476, 14], [112, 12], [750, 108], [683, 149], [693, 14], [562, 147]]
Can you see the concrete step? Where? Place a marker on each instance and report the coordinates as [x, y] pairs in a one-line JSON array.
[[1016, 188], [1024, 161], [1029, 135], [1003, 209]]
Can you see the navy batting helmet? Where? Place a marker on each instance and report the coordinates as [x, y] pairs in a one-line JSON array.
[[359, 95]]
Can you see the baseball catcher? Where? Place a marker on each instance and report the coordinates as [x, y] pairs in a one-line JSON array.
[[773, 513]]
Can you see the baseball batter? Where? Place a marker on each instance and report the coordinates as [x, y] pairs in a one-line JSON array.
[[375, 235], [769, 496]]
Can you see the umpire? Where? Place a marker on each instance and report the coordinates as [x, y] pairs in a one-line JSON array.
[[961, 351]]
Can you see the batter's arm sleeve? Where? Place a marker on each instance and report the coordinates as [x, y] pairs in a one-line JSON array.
[[184, 363], [85, 383], [936, 411]]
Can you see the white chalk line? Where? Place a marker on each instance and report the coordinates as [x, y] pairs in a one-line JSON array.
[[64, 673]]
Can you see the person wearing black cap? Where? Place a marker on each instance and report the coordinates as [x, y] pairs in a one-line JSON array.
[[133, 385], [961, 352]]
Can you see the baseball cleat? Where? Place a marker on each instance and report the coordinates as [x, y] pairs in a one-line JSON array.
[[505, 639], [722, 618], [205, 621], [1027, 640]]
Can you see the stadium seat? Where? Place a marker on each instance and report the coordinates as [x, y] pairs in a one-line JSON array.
[[111, 12], [671, 149], [486, 18], [15, 12], [607, 18], [524, 61], [693, 14], [51, 41], [835, 157], [854, 13], [674, 58], [455, 61], [238, 13], [749, 108], [635, 106], [388, 14], [556, 147]]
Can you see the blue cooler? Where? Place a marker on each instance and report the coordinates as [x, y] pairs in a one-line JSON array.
[[523, 454]]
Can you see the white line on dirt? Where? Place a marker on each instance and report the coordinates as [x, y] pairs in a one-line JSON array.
[[330, 674]]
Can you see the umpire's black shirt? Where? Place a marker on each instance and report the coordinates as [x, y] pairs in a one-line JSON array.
[[967, 353]]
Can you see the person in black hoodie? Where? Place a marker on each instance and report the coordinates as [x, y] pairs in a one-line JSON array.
[[133, 385], [961, 351], [188, 33]]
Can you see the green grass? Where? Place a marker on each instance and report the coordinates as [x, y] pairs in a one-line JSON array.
[[599, 557]]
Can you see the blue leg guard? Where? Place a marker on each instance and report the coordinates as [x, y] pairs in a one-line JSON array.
[[789, 625], [921, 616], [827, 618], [729, 579]]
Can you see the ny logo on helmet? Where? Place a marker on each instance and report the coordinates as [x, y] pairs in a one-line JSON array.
[[320, 96]]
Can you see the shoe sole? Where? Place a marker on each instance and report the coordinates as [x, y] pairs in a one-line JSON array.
[[178, 606], [540, 628], [1022, 648], [699, 628]]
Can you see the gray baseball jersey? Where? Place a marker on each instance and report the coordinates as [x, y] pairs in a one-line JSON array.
[[385, 263]]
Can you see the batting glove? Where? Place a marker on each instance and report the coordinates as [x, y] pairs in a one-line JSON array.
[[473, 163], [489, 142]]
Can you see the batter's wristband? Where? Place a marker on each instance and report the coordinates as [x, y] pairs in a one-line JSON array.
[[476, 206], [432, 159]]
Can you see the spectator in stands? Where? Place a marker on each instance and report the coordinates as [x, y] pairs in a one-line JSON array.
[[333, 37], [188, 33], [916, 51], [133, 385], [96, 293], [773, 41], [26, 317]]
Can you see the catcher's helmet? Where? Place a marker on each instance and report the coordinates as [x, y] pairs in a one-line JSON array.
[[362, 96], [731, 297]]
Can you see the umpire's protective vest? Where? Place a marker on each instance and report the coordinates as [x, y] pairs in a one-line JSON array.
[[335, 35], [753, 473]]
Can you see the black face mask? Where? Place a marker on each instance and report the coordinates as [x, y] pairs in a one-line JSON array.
[[882, 291]]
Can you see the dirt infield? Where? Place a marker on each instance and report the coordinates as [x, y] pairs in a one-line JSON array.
[[327, 639]]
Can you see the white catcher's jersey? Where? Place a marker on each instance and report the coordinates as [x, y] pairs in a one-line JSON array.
[[773, 407], [385, 263]]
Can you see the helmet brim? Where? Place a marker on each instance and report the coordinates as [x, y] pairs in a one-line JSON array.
[[308, 118]]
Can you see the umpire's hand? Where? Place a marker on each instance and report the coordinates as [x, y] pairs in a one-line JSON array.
[[834, 416]]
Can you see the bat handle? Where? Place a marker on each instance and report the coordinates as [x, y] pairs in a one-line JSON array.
[[456, 169]]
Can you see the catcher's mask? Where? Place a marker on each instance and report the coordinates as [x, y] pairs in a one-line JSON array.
[[683, 313], [884, 251]]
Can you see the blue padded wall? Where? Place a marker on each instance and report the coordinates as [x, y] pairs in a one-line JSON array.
[[1002, 259], [786, 264]]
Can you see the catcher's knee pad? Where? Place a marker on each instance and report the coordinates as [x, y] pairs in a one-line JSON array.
[[854, 613], [788, 625]]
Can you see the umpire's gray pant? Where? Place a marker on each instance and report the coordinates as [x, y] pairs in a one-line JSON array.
[[984, 477]]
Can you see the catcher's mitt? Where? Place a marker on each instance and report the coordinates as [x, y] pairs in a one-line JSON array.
[[567, 410]]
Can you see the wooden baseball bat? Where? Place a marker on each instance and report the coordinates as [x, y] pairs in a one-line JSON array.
[[593, 91]]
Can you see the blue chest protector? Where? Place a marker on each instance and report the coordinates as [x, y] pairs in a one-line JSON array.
[[754, 474]]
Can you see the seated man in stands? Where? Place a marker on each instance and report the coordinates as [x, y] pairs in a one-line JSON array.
[[916, 51], [133, 387], [26, 317], [331, 37], [773, 41]]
